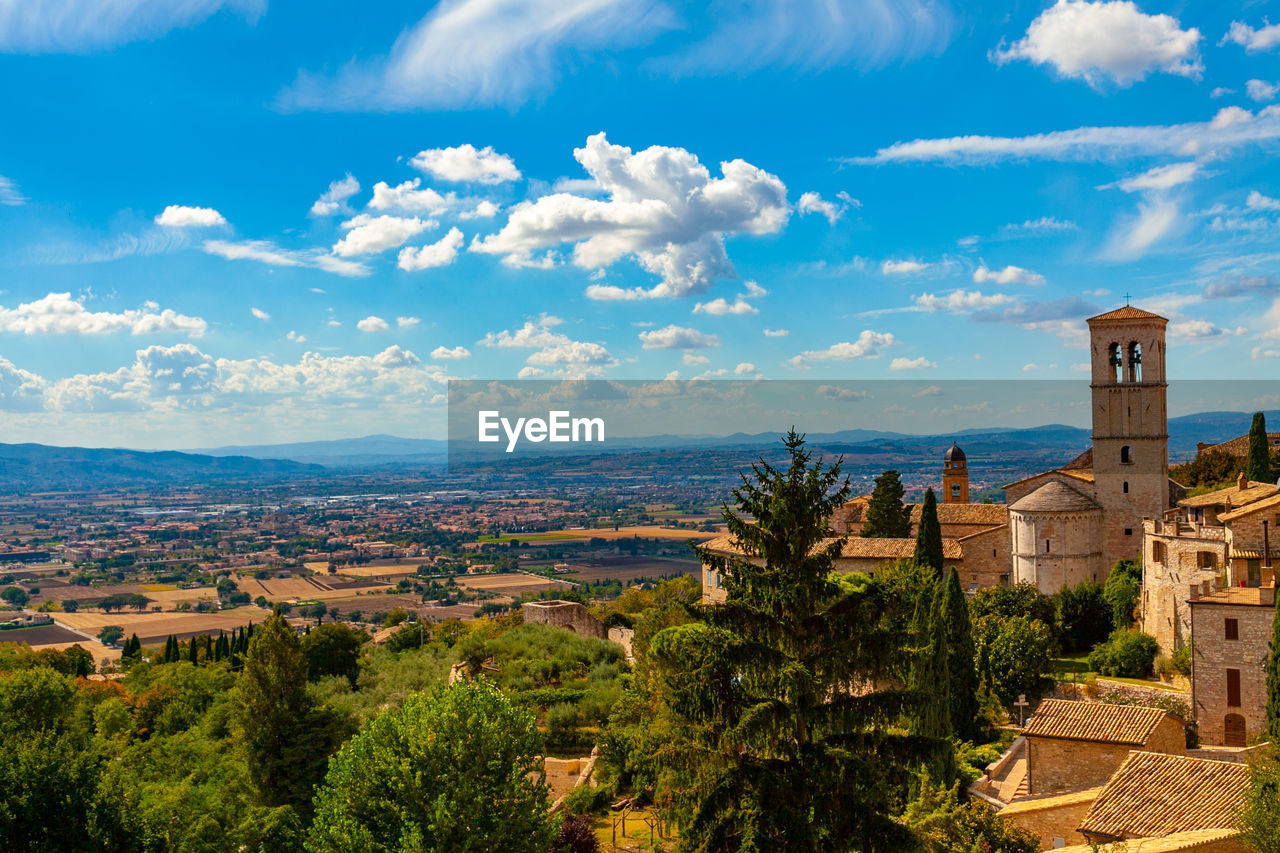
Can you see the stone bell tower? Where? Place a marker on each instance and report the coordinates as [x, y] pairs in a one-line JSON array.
[[955, 476], [1130, 426]]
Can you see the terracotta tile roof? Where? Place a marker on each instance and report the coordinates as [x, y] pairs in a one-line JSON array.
[[1084, 475], [1232, 495], [1084, 460], [1052, 801], [1153, 795], [1256, 506], [1095, 721], [1195, 840], [1054, 496], [987, 515], [1128, 312], [855, 548]]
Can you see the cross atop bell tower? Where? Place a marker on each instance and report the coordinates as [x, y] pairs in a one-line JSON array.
[[1130, 424]]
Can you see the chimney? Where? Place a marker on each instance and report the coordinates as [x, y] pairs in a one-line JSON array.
[[1242, 482]]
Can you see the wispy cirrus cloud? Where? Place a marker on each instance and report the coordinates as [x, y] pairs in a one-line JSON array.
[[9, 193], [267, 252], [82, 26], [1230, 128]]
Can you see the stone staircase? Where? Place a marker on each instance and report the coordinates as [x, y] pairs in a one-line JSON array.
[[1006, 777]]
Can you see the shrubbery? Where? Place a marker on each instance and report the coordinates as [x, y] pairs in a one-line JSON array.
[[1127, 654]]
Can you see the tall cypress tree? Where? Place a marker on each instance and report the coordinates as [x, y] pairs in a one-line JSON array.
[[887, 516], [1259, 465], [929, 667], [171, 652], [193, 650], [1273, 681], [962, 674], [929, 536]]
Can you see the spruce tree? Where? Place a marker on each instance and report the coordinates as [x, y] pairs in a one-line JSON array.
[[780, 710], [887, 516], [1273, 681], [962, 674], [929, 536], [1259, 464]]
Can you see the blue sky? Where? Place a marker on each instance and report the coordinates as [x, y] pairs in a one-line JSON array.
[[231, 221]]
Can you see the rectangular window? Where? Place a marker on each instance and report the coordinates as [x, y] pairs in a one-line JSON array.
[[1233, 688], [1046, 546], [1128, 531], [1233, 629]]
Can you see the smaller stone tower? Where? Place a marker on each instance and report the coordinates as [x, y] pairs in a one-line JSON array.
[[955, 476]]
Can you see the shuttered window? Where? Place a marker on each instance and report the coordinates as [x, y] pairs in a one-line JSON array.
[[1233, 688]]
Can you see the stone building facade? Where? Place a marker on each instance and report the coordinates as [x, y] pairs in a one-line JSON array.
[[1220, 537], [1231, 630]]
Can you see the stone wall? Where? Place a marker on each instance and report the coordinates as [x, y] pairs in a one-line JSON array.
[[1166, 612], [986, 559], [569, 615], [1052, 819], [1058, 766]]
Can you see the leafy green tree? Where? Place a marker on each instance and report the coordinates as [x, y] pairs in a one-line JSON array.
[[1016, 654], [15, 595], [929, 535], [1260, 818], [887, 516], [1082, 616], [1259, 464], [782, 718], [945, 825], [1122, 591], [333, 649], [453, 769], [284, 737], [49, 770], [1004, 602], [962, 675]]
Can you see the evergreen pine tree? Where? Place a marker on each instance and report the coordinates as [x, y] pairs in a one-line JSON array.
[[170, 649], [1259, 464], [929, 536], [775, 693], [1273, 681], [193, 650], [887, 517], [962, 674]]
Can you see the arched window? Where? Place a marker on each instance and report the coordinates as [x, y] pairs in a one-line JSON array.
[[1234, 732], [1117, 363], [1126, 455], [1135, 362], [955, 490]]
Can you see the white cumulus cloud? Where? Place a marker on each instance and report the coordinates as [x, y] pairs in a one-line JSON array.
[[962, 300], [904, 267], [60, 314], [1261, 90], [1098, 39], [1253, 40], [372, 323], [450, 353], [259, 313], [438, 254], [920, 363], [408, 197], [555, 353], [333, 201], [1009, 275], [678, 337], [467, 164], [722, 306], [868, 345], [181, 216], [367, 235], [663, 208]]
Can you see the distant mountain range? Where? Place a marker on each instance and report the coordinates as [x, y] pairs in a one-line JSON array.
[[1184, 433], [38, 467]]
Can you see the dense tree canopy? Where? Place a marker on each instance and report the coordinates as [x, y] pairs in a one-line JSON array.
[[453, 770], [887, 516]]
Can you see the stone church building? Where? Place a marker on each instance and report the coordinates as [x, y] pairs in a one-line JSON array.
[[1063, 526]]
